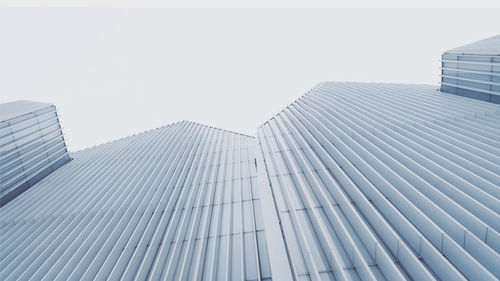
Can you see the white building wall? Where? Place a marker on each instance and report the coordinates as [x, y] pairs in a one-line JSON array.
[[175, 203], [386, 182]]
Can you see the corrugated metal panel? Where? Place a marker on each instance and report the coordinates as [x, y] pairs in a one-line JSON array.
[[175, 203], [32, 146], [386, 182], [473, 70]]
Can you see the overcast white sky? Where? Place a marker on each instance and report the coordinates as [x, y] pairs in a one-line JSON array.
[[116, 72]]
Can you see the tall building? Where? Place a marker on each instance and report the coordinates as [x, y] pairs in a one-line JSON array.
[[473, 70], [32, 146], [176, 203], [385, 182], [353, 181]]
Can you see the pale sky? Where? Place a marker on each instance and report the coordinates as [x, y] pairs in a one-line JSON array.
[[117, 72]]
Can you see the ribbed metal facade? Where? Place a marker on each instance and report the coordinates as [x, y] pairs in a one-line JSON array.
[[473, 70], [31, 146], [384, 182], [175, 203], [353, 181]]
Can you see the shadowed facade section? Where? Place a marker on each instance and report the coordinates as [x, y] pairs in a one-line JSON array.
[[31, 146]]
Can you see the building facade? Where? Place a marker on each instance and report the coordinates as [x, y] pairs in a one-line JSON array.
[[32, 146], [385, 182], [353, 181], [473, 70], [175, 203]]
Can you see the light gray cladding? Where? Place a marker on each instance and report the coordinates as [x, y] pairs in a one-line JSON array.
[[487, 46], [175, 203], [385, 182], [353, 181], [473, 70], [31, 146]]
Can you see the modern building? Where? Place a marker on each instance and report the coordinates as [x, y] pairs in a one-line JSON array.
[[32, 146], [384, 182], [473, 70], [353, 181], [176, 203]]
